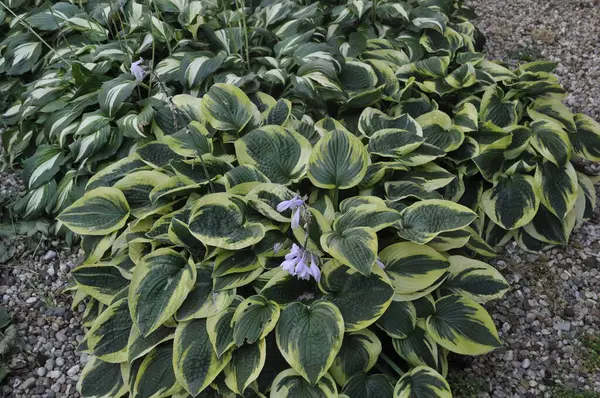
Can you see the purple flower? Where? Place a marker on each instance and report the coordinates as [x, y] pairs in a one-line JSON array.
[[297, 264], [295, 204], [378, 262], [137, 70]]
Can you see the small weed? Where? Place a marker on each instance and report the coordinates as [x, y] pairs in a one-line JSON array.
[[564, 392], [466, 386], [526, 54], [592, 356]]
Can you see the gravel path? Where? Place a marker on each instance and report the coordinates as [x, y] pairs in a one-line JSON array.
[[43, 360], [549, 321], [564, 31]]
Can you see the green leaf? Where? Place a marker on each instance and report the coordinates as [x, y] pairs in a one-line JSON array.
[[359, 353], [113, 94], [360, 299], [399, 320], [160, 284], [280, 154], [202, 301], [137, 187], [558, 187], [418, 349], [155, 376], [253, 319], [101, 379], [99, 212], [512, 202], [424, 220], [108, 336], [226, 107], [100, 280], [219, 220], [245, 366], [338, 160], [551, 141], [291, 384], [393, 142], [196, 363], [138, 345], [586, 141], [422, 382], [220, 331], [42, 166], [355, 247], [462, 326], [115, 171], [309, 338], [474, 279], [362, 385], [412, 267]]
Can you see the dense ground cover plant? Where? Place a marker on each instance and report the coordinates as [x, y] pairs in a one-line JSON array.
[[253, 266]]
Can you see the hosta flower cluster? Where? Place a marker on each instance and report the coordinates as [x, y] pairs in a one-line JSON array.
[[256, 256], [282, 198]]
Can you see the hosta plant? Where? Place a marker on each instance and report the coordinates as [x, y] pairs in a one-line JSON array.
[[255, 255], [99, 73]]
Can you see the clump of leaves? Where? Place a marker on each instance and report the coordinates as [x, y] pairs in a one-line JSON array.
[[255, 254]]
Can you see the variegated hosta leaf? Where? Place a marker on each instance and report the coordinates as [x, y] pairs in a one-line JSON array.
[[160, 284], [354, 247], [108, 336], [309, 338], [512, 202], [422, 221], [412, 267], [553, 110], [194, 70], [191, 141], [202, 301], [196, 363], [475, 279], [200, 170], [227, 107], [155, 376], [253, 319], [586, 141], [101, 281], [399, 319], [418, 349], [438, 131], [292, 384], [138, 345], [219, 220], [99, 212], [265, 197], [116, 171], [338, 161], [558, 187], [362, 385], [372, 120], [113, 94], [157, 154], [280, 154], [101, 379], [42, 166], [497, 110], [245, 365], [547, 228], [375, 216], [359, 353], [551, 141], [461, 325], [393, 142], [137, 187], [422, 382], [361, 299], [220, 331]]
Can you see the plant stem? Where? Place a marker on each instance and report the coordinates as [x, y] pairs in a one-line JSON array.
[[334, 194], [60, 29], [374, 12], [391, 363], [25, 24], [245, 27]]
